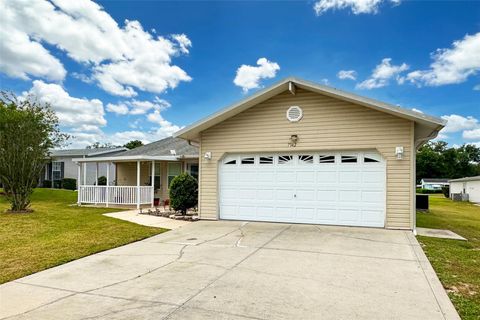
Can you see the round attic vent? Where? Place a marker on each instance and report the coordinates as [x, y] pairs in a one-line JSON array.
[[294, 114]]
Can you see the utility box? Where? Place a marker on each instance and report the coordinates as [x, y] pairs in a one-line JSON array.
[[422, 202]]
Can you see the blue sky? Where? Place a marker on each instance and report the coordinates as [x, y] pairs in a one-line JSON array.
[[113, 81]]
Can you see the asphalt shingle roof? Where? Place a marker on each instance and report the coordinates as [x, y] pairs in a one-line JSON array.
[[475, 178], [162, 148], [435, 180]]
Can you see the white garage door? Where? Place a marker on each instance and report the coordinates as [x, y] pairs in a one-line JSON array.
[[341, 188]]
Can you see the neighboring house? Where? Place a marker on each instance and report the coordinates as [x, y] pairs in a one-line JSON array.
[[300, 152], [137, 170], [60, 165], [433, 184], [468, 185]]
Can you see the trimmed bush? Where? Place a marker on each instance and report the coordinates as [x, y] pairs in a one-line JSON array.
[[446, 191], [102, 181], [69, 183], [183, 192], [426, 191], [46, 184]]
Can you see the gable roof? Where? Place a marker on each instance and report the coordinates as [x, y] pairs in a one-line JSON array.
[[162, 148], [85, 152], [428, 126], [475, 178]]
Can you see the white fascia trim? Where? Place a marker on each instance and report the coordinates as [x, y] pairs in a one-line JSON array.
[[127, 158]]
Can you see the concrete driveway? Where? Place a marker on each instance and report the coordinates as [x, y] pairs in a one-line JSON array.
[[237, 270]]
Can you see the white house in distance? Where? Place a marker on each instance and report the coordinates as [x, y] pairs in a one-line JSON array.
[[468, 185], [433, 184], [60, 164]]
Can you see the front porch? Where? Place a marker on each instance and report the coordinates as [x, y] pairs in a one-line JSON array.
[[139, 181]]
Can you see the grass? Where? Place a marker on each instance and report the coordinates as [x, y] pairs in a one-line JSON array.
[[457, 263], [57, 233]]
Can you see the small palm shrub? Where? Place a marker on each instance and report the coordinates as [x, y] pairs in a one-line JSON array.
[[102, 181], [183, 193]]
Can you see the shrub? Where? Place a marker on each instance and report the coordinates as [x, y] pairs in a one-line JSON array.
[[446, 191], [102, 181], [427, 191], [69, 183], [183, 193], [46, 184]]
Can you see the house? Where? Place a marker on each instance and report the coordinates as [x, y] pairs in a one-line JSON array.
[[142, 174], [468, 186], [433, 184], [300, 152], [61, 165]]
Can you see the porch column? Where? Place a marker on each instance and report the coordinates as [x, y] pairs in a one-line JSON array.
[[79, 177], [138, 184], [85, 173], [107, 188], [153, 182], [97, 194], [51, 180]]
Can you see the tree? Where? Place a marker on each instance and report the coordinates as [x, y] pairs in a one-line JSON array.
[[133, 144], [183, 192], [28, 129], [437, 160], [97, 145]]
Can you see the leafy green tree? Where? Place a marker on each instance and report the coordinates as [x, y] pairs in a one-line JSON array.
[[437, 160], [183, 192], [28, 129], [133, 144], [97, 145]]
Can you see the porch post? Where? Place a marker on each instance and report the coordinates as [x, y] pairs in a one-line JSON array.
[[97, 194], [51, 186], [85, 173], [79, 169], [107, 188], [138, 184], [153, 182]]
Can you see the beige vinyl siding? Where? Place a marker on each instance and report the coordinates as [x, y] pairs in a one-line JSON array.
[[127, 176], [327, 124]]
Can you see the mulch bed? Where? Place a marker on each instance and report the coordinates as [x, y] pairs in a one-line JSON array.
[[170, 214]]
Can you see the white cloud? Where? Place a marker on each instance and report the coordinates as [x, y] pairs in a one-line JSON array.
[[456, 123], [325, 81], [356, 6], [452, 65], [166, 127], [477, 87], [72, 112], [121, 59], [248, 77], [417, 110], [183, 42], [120, 108], [473, 134], [382, 73], [347, 74], [138, 107]]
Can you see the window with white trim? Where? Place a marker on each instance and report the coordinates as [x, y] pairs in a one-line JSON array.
[[56, 170], [174, 169], [157, 179], [326, 159]]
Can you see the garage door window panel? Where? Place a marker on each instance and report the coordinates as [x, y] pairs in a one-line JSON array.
[[326, 159], [305, 159], [247, 160], [288, 159], [349, 159]]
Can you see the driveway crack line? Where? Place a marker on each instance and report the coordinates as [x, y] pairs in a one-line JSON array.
[[227, 270]]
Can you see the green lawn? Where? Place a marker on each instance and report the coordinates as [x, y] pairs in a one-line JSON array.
[[457, 263], [57, 232]]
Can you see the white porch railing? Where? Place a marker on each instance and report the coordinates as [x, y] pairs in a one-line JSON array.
[[126, 195]]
